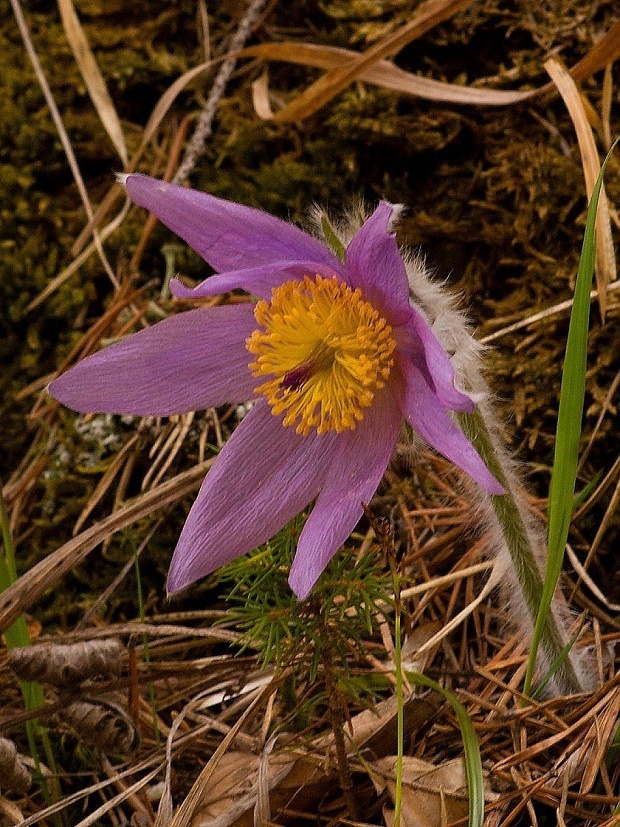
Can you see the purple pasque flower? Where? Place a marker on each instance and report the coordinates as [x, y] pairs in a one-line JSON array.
[[333, 352]]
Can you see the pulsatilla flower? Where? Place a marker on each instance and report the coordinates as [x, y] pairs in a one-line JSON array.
[[333, 352]]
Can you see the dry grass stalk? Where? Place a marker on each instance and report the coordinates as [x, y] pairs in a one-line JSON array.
[[384, 74], [561, 307], [114, 468], [428, 15], [603, 53], [583, 576], [92, 77], [610, 514], [195, 147], [563, 730], [32, 585], [185, 813], [343, 67], [169, 450], [85, 254], [605, 268], [64, 138]]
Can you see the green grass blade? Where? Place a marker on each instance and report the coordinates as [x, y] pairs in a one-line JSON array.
[[145, 644], [557, 663], [473, 762], [18, 635], [568, 433]]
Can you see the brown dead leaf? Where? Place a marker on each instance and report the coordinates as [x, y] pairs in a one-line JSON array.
[[260, 97], [93, 78], [374, 730], [428, 15], [344, 65], [605, 264], [431, 795], [384, 74], [234, 787], [412, 661], [602, 54], [233, 790]]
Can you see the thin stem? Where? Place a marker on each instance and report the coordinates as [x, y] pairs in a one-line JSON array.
[[145, 645], [64, 138], [204, 128], [385, 539], [520, 549], [400, 702], [337, 723]]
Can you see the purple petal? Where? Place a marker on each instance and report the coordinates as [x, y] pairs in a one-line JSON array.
[[376, 267], [259, 281], [429, 355], [263, 477], [428, 418], [354, 473], [228, 236], [189, 361]]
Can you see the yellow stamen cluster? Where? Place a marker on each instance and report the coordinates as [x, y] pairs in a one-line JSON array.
[[326, 351]]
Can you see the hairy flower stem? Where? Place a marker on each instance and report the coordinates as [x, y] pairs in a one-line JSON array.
[[523, 555]]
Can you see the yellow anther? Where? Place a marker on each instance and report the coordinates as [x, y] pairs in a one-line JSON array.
[[325, 351]]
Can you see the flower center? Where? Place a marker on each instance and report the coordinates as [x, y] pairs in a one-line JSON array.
[[325, 350]]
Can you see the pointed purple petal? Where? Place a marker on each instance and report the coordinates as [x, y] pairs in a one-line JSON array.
[[189, 361], [376, 267], [429, 355], [228, 236], [263, 477], [428, 418], [259, 281], [355, 471]]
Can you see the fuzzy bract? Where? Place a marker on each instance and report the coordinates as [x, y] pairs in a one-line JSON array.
[[333, 352]]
